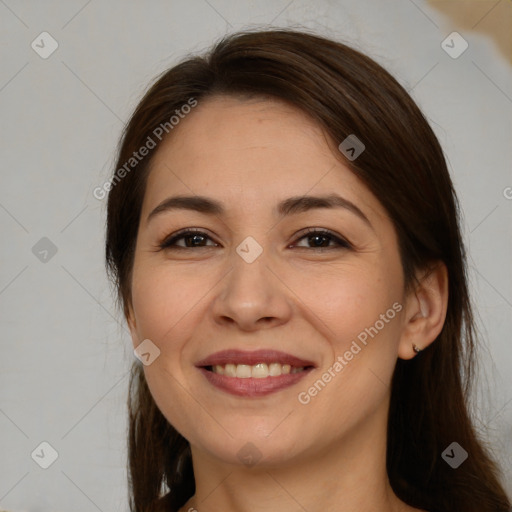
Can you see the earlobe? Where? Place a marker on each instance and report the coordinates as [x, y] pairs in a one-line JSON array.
[[425, 311]]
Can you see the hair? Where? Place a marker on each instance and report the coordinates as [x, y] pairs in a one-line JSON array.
[[403, 165]]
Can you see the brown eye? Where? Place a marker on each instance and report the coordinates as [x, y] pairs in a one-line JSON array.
[[318, 237], [192, 237]]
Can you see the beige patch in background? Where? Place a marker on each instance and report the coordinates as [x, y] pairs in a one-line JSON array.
[[492, 18]]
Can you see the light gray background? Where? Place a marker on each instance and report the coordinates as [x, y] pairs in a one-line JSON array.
[[65, 351]]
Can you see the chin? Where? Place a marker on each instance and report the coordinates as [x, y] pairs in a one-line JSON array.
[[252, 452], [250, 445]]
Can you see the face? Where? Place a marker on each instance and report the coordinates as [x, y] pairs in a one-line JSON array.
[[323, 285]]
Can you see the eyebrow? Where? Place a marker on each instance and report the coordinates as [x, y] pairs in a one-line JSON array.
[[290, 206]]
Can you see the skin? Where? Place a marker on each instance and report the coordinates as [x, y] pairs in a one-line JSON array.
[[329, 454]]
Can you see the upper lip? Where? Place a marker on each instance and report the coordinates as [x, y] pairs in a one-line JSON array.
[[235, 356]]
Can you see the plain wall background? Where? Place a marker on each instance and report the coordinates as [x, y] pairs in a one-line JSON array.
[[65, 351]]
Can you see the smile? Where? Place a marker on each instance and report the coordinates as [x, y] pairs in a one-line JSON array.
[[253, 374]]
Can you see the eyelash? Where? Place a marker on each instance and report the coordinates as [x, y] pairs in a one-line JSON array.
[[169, 242]]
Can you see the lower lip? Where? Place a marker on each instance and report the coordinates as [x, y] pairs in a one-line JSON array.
[[252, 387]]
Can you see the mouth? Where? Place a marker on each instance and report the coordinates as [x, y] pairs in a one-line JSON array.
[[253, 374]]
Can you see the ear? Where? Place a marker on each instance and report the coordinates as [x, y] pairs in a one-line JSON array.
[[425, 310], [132, 325]]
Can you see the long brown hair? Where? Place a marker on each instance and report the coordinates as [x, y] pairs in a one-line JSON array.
[[346, 93]]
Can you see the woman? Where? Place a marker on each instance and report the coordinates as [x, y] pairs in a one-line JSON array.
[[284, 238]]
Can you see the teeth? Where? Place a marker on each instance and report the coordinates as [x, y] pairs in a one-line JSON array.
[[257, 371], [243, 371], [275, 369]]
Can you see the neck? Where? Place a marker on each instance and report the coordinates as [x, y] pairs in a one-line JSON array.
[[346, 476]]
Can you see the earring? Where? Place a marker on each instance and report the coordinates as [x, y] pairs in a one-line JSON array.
[[416, 348]]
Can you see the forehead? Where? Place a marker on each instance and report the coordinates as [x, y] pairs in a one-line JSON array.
[[251, 152]]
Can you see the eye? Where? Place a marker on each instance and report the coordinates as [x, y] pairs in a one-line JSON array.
[[192, 235], [195, 237], [318, 237]]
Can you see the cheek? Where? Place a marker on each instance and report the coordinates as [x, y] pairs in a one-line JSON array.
[[345, 301], [166, 305], [163, 301], [362, 312]]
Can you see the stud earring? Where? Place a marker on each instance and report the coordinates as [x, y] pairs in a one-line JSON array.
[[416, 348]]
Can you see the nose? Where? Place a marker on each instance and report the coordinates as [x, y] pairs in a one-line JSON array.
[[252, 295]]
